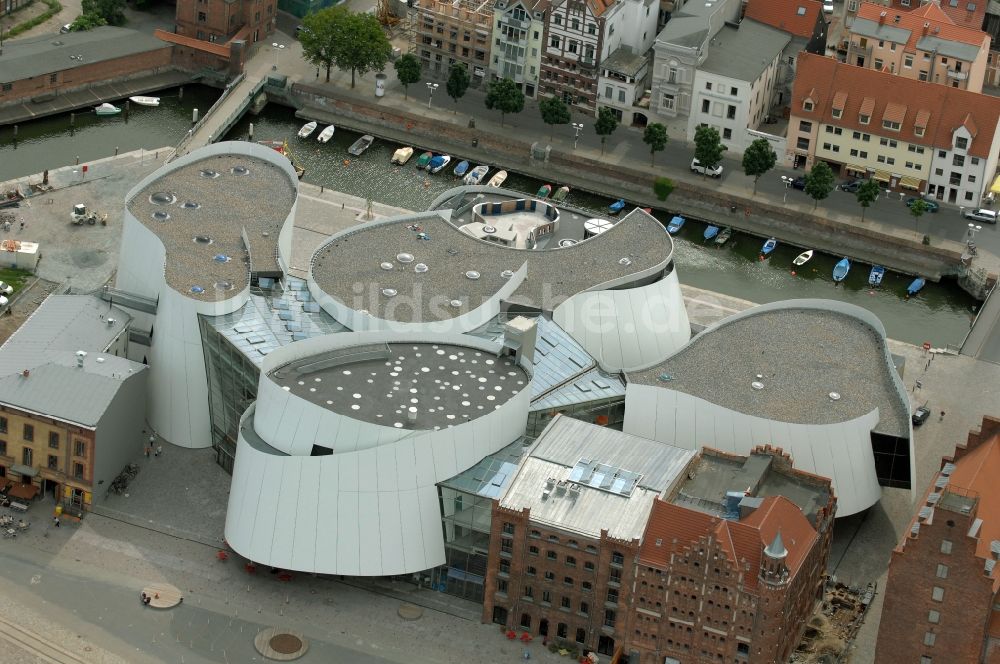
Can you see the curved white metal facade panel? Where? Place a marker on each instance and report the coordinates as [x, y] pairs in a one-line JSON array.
[[368, 509], [841, 451], [631, 328]]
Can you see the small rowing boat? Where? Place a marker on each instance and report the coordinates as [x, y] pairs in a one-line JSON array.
[[710, 232], [768, 247], [307, 129], [462, 168], [617, 206], [724, 236], [424, 159], [359, 146], [803, 258], [544, 191], [326, 134], [561, 194], [497, 179], [841, 269], [915, 286]]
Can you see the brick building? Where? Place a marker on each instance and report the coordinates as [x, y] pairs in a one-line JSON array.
[[942, 596], [567, 530], [219, 33], [732, 579], [449, 32]]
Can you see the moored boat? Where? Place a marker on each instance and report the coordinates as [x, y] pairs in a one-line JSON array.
[[561, 194], [437, 164], [803, 258], [544, 191], [281, 147], [360, 145], [307, 129], [462, 168], [841, 269], [498, 179], [402, 155], [326, 134], [477, 174], [424, 159], [675, 225], [145, 101], [107, 109], [915, 286], [768, 247], [617, 206], [724, 236], [876, 275], [710, 232], [11, 198]]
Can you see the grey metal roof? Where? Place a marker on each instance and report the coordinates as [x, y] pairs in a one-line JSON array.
[[492, 474], [802, 355], [689, 27], [594, 385], [62, 323], [885, 31], [744, 53], [542, 482], [624, 61], [948, 48], [45, 54], [60, 389], [265, 322]]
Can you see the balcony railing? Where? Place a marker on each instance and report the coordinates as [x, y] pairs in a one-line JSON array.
[[958, 75]]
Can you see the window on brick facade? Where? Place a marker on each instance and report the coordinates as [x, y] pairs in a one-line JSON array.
[[528, 591], [609, 618], [53, 462], [562, 630], [78, 471], [202, 17], [617, 558], [615, 576], [581, 635], [535, 534], [570, 561], [564, 602], [3, 420], [27, 456], [506, 546], [505, 567], [551, 555], [29, 432], [502, 585], [568, 580], [937, 593], [508, 528], [942, 571], [54, 440], [584, 608], [612, 597], [933, 616], [945, 546], [924, 659], [533, 550], [929, 638], [546, 596], [587, 585], [590, 548], [589, 566], [3, 447], [550, 576], [525, 621], [530, 571]]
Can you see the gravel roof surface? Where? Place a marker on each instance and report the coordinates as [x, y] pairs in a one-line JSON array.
[[803, 356], [446, 384], [259, 201], [349, 268]]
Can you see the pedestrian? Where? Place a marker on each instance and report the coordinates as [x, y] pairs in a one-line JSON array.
[[22, 224], [942, 416], [55, 521], [159, 450], [147, 451]]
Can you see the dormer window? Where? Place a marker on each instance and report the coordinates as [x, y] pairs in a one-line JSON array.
[[807, 105], [918, 131], [837, 113], [961, 142], [890, 125], [864, 119]]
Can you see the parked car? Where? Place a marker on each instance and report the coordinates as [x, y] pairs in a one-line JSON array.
[[851, 186], [799, 183], [66, 28], [932, 206], [982, 214], [920, 415], [714, 171]]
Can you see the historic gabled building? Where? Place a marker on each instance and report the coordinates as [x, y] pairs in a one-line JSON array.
[[518, 41]]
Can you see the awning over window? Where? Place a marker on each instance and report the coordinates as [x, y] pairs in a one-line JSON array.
[[908, 182], [24, 471], [23, 491], [881, 176], [854, 168], [995, 188]]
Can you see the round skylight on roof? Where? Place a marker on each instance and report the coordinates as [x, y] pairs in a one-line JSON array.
[[507, 274], [221, 258], [456, 303], [472, 274], [162, 198], [489, 229], [202, 239], [625, 261], [567, 242], [208, 173], [420, 268], [190, 205], [160, 215], [757, 385], [223, 285], [404, 257], [834, 396], [197, 290], [239, 170], [386, 265], [389, 292]]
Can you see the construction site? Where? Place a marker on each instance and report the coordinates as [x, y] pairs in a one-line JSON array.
[[833, 625]]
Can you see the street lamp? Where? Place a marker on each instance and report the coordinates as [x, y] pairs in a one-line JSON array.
[[277, 49], [788, 183], [971, 242], [577, 127], [431, 87]]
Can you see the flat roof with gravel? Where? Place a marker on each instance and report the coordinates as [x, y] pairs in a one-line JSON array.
[[380, 383], [802, 356], [464, 269], [199, 212]]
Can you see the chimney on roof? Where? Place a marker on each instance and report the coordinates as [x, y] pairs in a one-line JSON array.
[[881, 18], [927, 26]]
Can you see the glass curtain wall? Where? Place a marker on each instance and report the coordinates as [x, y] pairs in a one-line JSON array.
[[608, 412]]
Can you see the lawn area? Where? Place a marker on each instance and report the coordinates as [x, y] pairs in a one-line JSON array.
[[14, 277]]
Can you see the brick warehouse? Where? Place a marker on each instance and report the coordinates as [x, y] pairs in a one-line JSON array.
[[576, 557], [941, 598]]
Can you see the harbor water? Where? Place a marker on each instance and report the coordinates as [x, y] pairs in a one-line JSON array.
[[941, 314]]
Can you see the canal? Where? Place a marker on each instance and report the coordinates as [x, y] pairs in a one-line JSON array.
[[941, 314]]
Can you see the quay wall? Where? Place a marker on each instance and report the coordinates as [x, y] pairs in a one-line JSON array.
[[898, 250]]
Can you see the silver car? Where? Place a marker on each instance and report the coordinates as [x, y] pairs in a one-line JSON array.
[[982, 214]]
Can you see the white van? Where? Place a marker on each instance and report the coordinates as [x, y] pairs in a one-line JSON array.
[[715, 171], [982, 214]]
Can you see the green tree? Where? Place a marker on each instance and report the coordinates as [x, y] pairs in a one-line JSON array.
[[554, 112], [758, 159], [663, 187], [87, 22], [335, 36], [917, 209], [112, 11], [819, 182], [656, 138], [504, 95], [407, 71], [708, 147], [458, 82], [606, 124], [867, 194]]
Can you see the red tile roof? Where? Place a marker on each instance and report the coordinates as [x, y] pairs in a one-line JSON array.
[[940, 26], [959, 15], [940, 107], [677, 527], [978, 471], [785, 15]]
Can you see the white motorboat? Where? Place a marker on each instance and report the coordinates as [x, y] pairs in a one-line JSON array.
[[145, 101], [498, 179], [477, 174], [402, 155], [803, 258], [326, 134], [307, 129], [107, 109], [438, 162]]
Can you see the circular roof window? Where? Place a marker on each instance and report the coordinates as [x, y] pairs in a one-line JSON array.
[[389, 292], [197, 290], [489, 229], [160, 215], [223, 285], [221, 258], [209, 173], [162, 198], [625, 261], [404, 258], [386, 266], [420, 268], [239, 170], [757, 385], [190, 205], [567, 242], [834, 396], [507, 274], [456, 303], [202, 239], [472, 274]]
